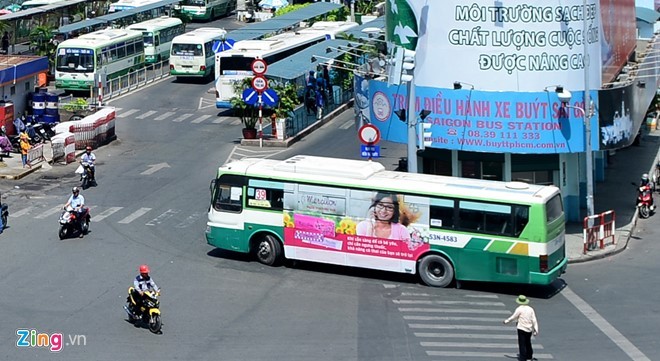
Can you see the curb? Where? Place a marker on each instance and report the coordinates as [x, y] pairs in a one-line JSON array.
[[23, 173], [303, 133]]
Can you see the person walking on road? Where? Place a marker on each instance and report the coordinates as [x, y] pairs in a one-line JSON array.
[[25, 147], [527, 326]]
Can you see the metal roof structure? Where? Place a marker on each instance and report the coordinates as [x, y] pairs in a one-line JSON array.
[[358, 32], [39, 10], [647, 15], [281, 23], [300, 63]]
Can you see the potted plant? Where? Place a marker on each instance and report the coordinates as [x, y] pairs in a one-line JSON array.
[[246, 113], [288, 95]]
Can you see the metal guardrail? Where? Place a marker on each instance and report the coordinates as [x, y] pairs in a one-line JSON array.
[[136, 79], [302, 119], [36, 153]]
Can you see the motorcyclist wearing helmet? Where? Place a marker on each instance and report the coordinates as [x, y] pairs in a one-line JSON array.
[[646, 184], [89, 158], [77, 202], [143, 282]]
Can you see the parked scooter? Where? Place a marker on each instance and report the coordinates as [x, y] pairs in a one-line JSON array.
[[148, 313], [71, 222]]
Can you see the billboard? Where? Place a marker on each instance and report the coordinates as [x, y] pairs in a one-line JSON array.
[[499, 45], [618, 35], [617, 128], [480, 121]]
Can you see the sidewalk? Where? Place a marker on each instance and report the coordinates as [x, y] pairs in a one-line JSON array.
[[625, 166]]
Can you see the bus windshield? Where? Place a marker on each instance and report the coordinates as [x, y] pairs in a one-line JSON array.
[[194, 2], [74, 60], [148, 38], [235, 65], [187, 49]]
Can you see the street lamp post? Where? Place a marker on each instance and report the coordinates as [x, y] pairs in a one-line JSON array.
[[565, 98]]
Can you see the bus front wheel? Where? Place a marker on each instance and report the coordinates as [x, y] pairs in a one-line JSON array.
[[436, 271], [269, 250]]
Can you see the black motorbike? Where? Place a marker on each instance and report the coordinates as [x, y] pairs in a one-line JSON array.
[[4, 213], [71, 222], [87, 176]]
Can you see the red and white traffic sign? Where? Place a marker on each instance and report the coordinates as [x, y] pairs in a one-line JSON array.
[[259, 66], [259, 83], [369, 134]]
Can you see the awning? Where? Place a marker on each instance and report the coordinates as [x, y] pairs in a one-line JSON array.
[[644, 14]]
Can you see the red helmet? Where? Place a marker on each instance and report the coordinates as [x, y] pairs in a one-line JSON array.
[[88, 148], [144, 268]]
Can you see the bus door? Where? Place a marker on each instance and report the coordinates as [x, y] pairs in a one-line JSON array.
[[228, 211]]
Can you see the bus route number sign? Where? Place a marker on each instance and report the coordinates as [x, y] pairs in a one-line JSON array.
[[259, 66], [259, 83]]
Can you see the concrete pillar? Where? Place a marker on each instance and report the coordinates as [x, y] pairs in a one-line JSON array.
[[507, 167], [455, 169], [600, 163]]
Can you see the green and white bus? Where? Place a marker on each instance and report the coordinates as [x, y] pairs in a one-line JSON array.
[[113, 52], [206, 9], [158, 35], [355, 213], [192, 53]]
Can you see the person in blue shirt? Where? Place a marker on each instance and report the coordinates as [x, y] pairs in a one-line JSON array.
[[77, 202], [143, 282]]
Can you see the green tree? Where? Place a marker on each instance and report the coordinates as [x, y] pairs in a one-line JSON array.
[[248, 114], [288, 94], [41, 39]]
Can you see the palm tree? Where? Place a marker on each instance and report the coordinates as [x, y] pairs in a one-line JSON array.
[[41, 38]]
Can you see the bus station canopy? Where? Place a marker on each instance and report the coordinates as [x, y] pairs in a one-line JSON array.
[[80, 25], [278, 24], [60, 5], [22, 14], [301, 62], [358, 32]]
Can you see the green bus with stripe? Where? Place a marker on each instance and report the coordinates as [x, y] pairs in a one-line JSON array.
[[82, 62], [206, 10], [355, 213]]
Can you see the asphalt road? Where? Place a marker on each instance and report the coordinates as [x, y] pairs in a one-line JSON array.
[[150, 207]]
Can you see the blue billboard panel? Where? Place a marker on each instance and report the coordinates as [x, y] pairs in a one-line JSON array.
[[509, 122]]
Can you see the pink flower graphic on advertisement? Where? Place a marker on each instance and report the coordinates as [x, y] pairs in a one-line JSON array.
[[416, 239]]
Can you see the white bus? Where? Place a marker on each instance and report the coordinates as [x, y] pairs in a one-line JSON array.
[[206, 9], [112, 52], [356, 213], [233, 65], [158, 35], [36, 3], [122, 5], [192, 53]]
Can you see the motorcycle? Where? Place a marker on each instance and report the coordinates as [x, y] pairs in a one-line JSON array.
[[70, 222], [148, 313], [645, 200], [86, 175], [4, 213]]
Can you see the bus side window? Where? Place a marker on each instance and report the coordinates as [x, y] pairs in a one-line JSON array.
[[229, 193], [157, 40], [265, 198], [442, 213], [520, 219], [484, 217]]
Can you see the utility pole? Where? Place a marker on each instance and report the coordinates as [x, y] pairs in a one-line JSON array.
[[589, 155]]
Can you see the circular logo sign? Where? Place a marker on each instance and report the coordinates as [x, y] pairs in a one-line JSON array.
[[259, 66], [369, 134], [259, 83], [381, 106]]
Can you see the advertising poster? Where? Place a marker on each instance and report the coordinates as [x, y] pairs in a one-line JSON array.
[[618, 36], [617, 128], [482, 121], [511, 45], [368, 227]]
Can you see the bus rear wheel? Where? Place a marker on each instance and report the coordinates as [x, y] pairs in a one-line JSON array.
[[435, 271], [269, 250]]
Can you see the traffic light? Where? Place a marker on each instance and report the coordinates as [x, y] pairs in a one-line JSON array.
[[401, 66], [401, 114], [425, 135]]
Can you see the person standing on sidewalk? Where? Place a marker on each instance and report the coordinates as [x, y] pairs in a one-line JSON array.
[[25, 147], [527, 326]]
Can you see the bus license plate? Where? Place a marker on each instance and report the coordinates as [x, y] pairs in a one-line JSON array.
[[187, 58]]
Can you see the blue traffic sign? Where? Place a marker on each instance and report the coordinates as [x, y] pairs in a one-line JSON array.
[[269, 97], [370, 151], [223, 45], [250, 96]]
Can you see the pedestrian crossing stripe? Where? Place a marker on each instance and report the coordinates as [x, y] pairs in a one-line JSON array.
[[177, 117]]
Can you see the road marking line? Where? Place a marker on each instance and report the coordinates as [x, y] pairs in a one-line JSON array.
[[201, 118], [21, 212], [459, 327], [462, 336], [590, 313], [165, 115], [127, 113], [135, 215], [49, 212], [182, 118], [482, 296], [188, 221], [220, 120], [433, 302], [454, 310], [347, 125], [491, 355], [449, 318], [105, 213], [236, 122], [475, 345], [147, 114], [158, 220], [117, 109]]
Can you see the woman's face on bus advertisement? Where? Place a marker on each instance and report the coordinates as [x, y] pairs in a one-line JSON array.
[[384, 209]]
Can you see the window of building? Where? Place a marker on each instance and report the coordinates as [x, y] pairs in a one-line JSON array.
[[12, 90], [543, 177]]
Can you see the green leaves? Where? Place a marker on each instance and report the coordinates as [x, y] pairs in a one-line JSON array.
[[288, 94], [248, 114]]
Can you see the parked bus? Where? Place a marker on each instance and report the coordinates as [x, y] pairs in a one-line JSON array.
[[192, 53], [206, 9], [355, 213], [158, 35], [112, 52], [122, 5], [36, 3], [233, 65]]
